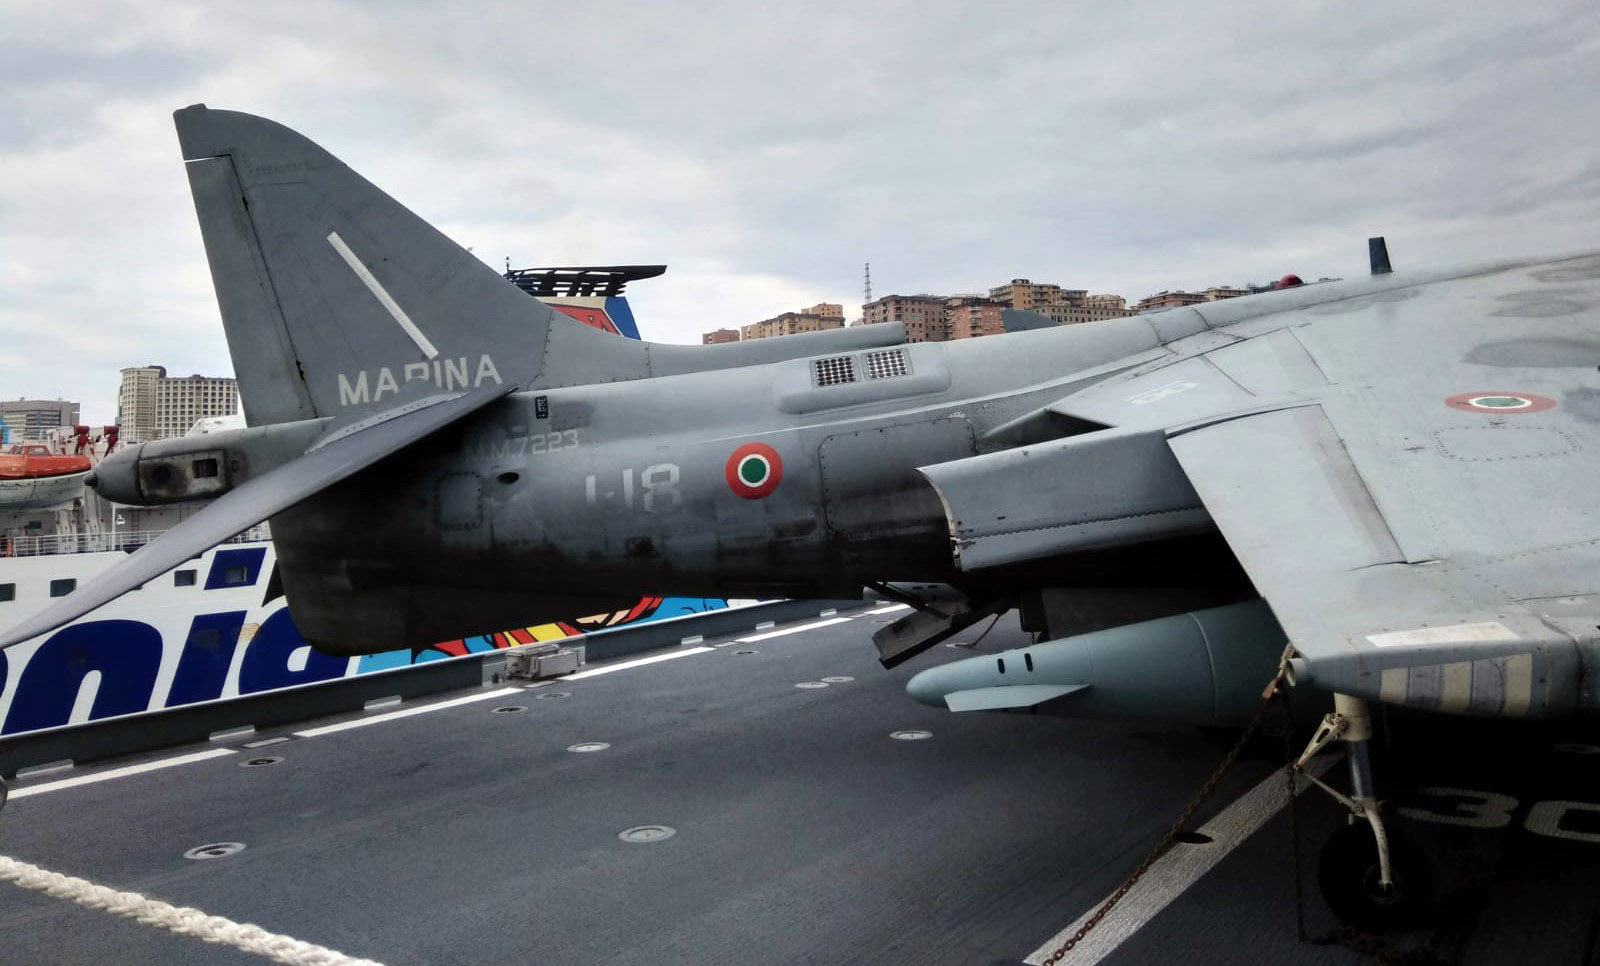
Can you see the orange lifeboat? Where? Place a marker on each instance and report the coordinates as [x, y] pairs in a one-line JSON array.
[[32, 461]]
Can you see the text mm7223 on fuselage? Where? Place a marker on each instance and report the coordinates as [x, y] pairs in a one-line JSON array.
[[1391, 475]]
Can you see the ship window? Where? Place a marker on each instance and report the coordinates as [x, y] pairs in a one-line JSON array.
[[183, 578], [886, 364], [236, 576], [834, 371], [8, 593], [62, 587]]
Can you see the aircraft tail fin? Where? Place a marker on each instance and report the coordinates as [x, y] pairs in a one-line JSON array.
[[339, 301]]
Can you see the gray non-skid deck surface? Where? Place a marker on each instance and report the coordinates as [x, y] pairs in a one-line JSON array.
[[805, 834]]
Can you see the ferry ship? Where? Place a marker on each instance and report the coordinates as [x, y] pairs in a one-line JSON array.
[[215, 627]]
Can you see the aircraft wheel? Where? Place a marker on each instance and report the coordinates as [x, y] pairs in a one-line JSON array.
[[1348, 875]]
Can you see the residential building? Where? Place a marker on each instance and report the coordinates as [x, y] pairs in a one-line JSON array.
[[1167, 300], [182, 401], [1218, 292], [1105, 302], [831, 311], [968, 317], [925, 316], [32, 418], [719, 336], [793, 323], [151, 405], [1074, 314], [1064, 306], [1030, 296], [136, 402]]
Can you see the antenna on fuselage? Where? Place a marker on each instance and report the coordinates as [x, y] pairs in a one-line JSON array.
[[1378, 254]]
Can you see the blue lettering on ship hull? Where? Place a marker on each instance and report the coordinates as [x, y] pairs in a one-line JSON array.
[[123, 656], [113, 667]]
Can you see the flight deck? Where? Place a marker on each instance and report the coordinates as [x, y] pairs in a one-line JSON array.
[[776, 797]]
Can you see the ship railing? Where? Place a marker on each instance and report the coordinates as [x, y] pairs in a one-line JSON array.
[[126, 540]]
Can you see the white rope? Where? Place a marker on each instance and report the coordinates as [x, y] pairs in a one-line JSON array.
[[179, 919]]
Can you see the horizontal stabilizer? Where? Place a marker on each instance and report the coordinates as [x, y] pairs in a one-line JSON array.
[[1009, 697], [254, 501]]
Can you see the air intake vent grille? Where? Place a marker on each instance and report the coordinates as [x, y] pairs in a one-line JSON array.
[[834, 371], [886, 364]]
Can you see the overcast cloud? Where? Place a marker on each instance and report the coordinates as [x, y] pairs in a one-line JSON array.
[[765, 154]]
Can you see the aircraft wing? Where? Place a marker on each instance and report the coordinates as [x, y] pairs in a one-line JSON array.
[[1373, 569], [342, 453], [1411, 478]]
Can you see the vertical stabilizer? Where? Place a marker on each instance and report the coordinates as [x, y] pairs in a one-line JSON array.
[[337, 300]]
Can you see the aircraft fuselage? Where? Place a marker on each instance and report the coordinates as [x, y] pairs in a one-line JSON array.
[[794, 478]]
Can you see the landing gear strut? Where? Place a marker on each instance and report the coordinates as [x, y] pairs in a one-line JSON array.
[[1369, 880]]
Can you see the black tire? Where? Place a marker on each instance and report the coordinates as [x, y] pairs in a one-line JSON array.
[[1348, 873]]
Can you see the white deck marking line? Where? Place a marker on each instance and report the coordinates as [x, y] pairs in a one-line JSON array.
[[123, 772], [373, 719], [641, 662], [890, 609], [769, 635], [381, 294], [1175, 872]]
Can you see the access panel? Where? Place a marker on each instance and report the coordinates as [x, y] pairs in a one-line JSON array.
[[869, 478]]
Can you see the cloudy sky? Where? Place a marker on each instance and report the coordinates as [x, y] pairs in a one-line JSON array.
[[766, 151]]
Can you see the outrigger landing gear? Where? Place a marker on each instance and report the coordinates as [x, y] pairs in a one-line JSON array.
[[1371, 880]]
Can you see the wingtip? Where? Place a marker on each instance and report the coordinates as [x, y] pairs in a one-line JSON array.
[[206, 133]]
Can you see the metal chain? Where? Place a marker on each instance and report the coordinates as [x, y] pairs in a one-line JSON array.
[[1182, 822], [1289, 759]]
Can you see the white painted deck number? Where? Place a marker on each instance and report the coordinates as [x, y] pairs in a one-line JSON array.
[[658, 485], [1491, 810]]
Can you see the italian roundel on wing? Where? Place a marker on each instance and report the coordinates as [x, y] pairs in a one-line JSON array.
[[753, 471]]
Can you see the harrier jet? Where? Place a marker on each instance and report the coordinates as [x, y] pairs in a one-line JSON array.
[[1394, 476]]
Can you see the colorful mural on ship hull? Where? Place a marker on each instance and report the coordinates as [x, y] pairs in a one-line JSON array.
[[647, 609], [206, 631]]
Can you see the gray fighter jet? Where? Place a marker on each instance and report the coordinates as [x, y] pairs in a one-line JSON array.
[[1395, 475]]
